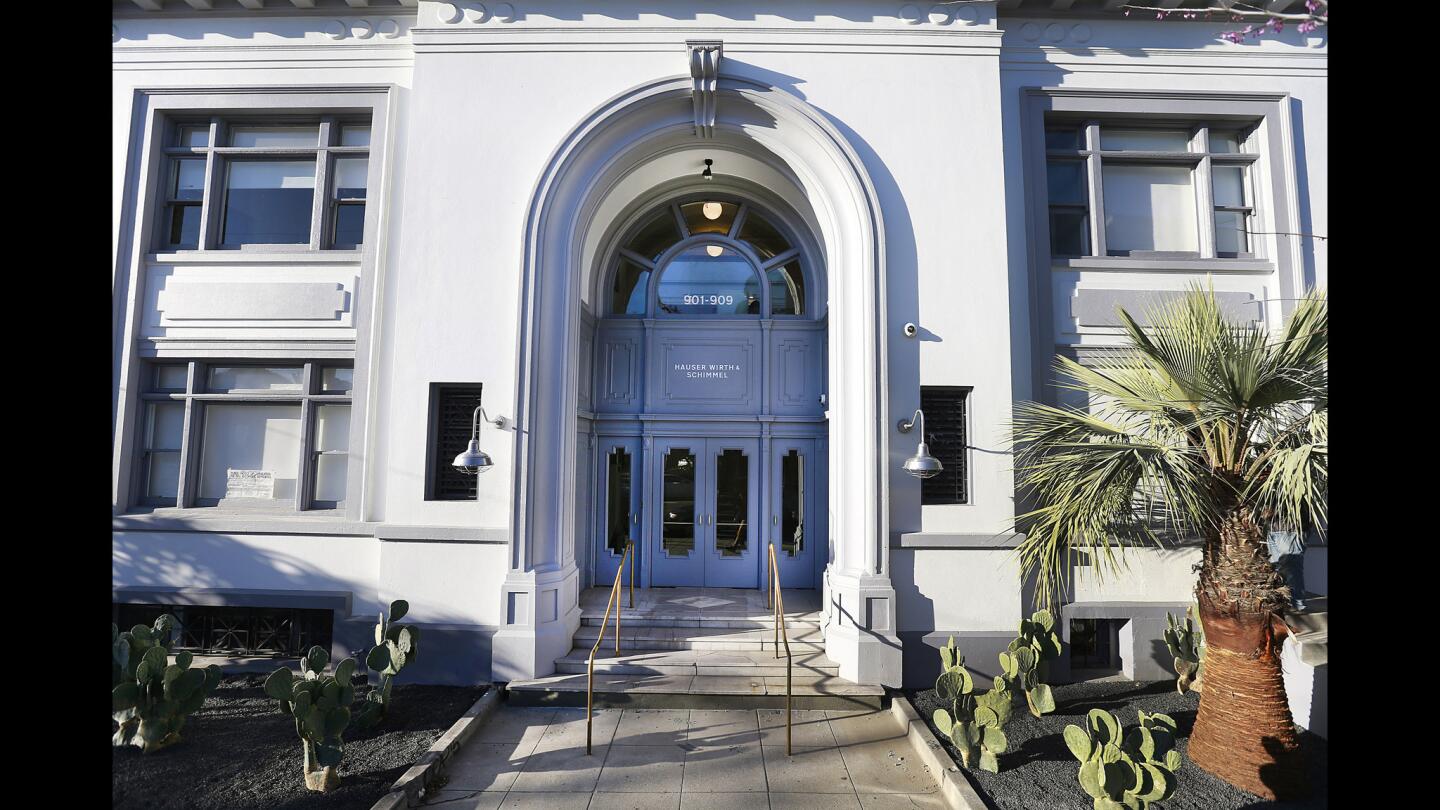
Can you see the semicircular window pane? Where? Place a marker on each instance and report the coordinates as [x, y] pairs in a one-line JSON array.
[[787, 289], [709, 217], [656, 235], [709, 280], [631, 281], [765, 238]]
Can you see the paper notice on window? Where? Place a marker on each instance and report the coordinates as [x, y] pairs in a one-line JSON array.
[[249, 483]]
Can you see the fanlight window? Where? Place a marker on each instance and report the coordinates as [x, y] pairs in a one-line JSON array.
[[708, 258]]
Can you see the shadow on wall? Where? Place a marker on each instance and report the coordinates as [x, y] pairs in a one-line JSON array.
[[218, 569]]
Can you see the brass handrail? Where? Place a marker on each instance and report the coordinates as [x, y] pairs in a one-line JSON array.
[[781, 633], [614, 600]]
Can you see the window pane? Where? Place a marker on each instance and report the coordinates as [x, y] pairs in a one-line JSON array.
[[1065, 180], [330, 477], [787, 290], [1230, 236], [184, 231], [1145, 140], [732, 503], [1229, 186], [1224, 142], [1062, 139], [170, 378], [349, 224], [268, 202], [765, 238], [1069, 232], [351, 178], [275, 137], [709, 217], [355, 135], [631, 285], [677, 528], [656, 235], [189, 180], [193, 136], [162, 476], [1149, 208], [224, 379], [709, 280], [332, 427], [792, 503], [337, 379], [617, 508], [250, 452], [167, 422]]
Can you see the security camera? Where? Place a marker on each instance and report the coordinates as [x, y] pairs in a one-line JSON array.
[[911, 330]]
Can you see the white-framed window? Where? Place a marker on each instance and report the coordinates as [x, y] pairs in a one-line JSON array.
[[1150, 189], [269, 436], [252, 180]]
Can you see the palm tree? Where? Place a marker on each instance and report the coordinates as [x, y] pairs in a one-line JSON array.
[[1199, 427]]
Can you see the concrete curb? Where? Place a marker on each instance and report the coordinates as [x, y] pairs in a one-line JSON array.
[[955, 786], [406, 791]]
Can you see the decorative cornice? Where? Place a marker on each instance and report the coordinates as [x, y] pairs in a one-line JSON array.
[[705, 72]]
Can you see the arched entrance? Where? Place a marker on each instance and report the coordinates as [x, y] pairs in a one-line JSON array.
[[708, 396], [644, 141]]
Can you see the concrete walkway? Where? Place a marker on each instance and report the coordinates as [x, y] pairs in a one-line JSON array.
[[664, 759]]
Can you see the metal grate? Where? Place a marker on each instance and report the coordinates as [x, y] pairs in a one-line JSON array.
[[945, 419], [210, 629], [452, 407]]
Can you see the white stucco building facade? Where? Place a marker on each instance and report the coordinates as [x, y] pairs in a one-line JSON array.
[[339, 226]]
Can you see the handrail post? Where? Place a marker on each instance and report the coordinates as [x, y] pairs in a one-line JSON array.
[[632, 575]]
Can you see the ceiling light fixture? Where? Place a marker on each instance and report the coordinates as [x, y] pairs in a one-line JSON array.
[[712, 210], [707, 174]]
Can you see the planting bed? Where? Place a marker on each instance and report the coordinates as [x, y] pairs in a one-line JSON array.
[[240, 751], [1037, 770]]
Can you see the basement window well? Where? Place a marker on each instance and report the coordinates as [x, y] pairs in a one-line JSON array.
[[1095, 647]]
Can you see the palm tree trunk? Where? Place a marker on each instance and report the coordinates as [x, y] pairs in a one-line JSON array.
[[1244, 733]]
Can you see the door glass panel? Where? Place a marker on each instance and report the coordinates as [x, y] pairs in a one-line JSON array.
[[732, 503], [677, 528], [792, 503], [617, 510]]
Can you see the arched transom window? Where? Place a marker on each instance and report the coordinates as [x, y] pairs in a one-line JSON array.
[[710, 256]]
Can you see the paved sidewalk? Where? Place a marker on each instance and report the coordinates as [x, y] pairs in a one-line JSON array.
[[664, 759]]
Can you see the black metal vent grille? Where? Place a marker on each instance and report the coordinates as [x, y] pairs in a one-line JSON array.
[[944, 407], [223, 630], [452, 407]]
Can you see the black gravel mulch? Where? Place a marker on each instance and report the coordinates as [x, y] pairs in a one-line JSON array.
[[1037, 770], [241, 752]]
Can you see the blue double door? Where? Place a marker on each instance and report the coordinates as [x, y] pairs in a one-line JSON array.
[[701, 510]]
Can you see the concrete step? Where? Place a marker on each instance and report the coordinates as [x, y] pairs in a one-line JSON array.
[[696, 692], [802, 640], [737, 622], [696, 662]]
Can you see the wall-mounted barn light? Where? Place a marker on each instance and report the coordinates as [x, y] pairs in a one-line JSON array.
[[474, 460], [922, 464]]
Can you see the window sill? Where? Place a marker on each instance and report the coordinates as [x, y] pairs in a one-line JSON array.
[[1126, 263], [212, 519], [256, 257]]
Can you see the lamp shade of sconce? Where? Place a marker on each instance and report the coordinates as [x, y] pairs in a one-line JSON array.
[[474, 460]]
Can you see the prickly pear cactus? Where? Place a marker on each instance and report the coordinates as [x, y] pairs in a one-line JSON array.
[[1187, 644], [1129, 770], [320, 704], [1025, 661], [151, 697], [395, 646], [974, 723]]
